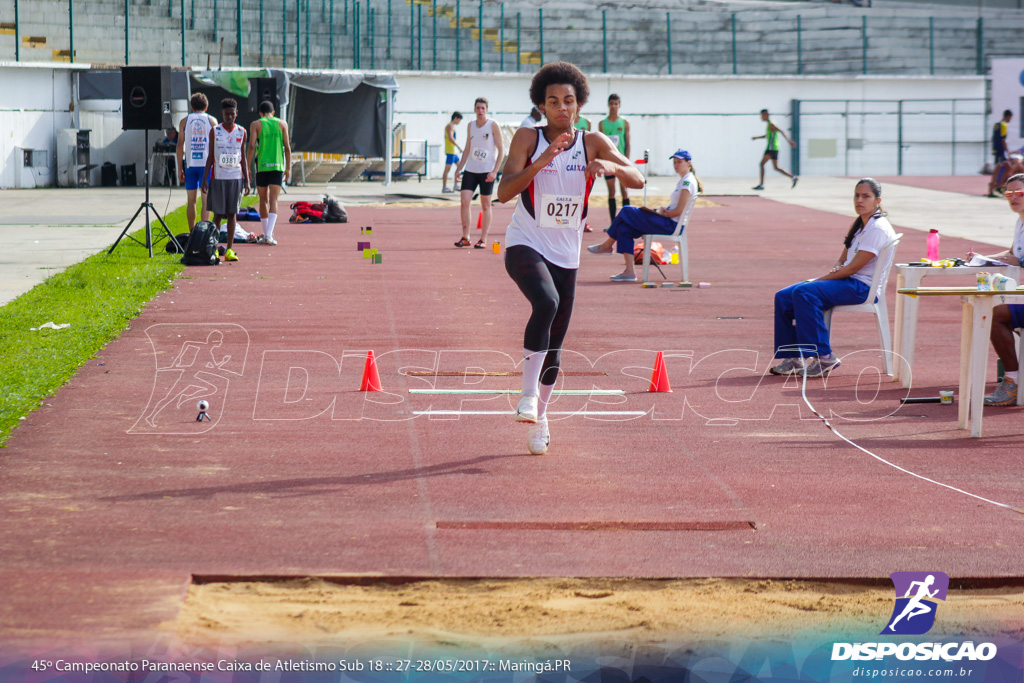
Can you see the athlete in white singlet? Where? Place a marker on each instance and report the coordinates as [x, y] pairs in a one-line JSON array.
[[230, 175], [482, 157], [193, 148], [551, 170]]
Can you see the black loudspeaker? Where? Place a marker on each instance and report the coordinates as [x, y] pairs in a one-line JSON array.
[[108, 174], [263, 90], [145, 97], [128, 176]]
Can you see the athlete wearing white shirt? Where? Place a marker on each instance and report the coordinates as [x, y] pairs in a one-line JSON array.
[[551, 170], [632, 223], [193, 134], [800, 330], [482, 157], [230, 172]]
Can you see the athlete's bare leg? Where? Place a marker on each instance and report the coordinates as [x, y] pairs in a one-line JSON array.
[[485, 223], [467, 202]]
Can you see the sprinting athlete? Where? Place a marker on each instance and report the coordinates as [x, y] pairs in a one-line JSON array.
[[617, 130], [269, 144], [194, 134], [230, 172], [482, 157], [552, 169], [771, 151]]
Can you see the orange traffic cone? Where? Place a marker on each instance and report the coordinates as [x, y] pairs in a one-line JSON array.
[[480, 221], [659, 378], [371, 380]]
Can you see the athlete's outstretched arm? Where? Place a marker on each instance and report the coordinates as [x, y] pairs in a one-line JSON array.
[[608, 161], [287, 142], [465, 150], [518, 174], [499, 147], [254, 133]]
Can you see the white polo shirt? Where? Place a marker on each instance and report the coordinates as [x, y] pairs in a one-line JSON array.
[[871, 238]]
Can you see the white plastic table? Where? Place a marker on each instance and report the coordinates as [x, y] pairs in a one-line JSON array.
[[975, 326], [905, 323]]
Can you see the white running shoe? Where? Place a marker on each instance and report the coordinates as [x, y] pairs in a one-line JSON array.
[[539, 437], [270, 240], [526, 411]]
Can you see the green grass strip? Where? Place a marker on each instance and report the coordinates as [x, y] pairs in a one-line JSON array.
[[99, 296]]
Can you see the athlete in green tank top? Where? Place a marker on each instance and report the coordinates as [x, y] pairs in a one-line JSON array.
[[616, 128], [269, 149], [772, 137], [771, 152]]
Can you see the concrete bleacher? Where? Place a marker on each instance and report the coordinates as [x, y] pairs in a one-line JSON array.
[[758, 38]]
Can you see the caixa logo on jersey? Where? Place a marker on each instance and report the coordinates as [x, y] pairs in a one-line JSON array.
[[917, 594]]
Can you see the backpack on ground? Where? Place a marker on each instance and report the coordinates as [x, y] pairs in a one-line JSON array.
[[335, 212], [173, 248], [201, 248], [657, 253], [306, 212]]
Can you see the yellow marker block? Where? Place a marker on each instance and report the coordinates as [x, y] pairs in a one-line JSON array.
[[366, 252]]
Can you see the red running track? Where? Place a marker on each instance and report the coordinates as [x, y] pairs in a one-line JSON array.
[[300, 474]]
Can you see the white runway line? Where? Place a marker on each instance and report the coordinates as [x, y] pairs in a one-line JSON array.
[[557, 392], [509, 413]]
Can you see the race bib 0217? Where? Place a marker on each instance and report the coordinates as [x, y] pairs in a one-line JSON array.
[[560, 211]]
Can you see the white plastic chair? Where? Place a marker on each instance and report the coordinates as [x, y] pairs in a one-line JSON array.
[[679, 237], [875, 303], [1020, 355]]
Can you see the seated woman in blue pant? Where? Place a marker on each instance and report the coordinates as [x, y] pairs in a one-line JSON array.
[[846, 284], [632, 222]]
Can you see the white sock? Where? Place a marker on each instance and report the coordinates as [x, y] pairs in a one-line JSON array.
[[1011, 375], [533, 362], [545, 396], [271, 222], [263, 222]]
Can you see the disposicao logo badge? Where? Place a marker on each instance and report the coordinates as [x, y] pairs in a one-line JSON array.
[[916, 596]]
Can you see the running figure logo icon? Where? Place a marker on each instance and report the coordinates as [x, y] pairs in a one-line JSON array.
[[916, 595], [193, 362]]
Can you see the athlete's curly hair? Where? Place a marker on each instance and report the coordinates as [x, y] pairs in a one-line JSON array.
[[559, 73]]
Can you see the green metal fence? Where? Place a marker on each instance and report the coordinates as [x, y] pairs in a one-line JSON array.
[[473, 35]]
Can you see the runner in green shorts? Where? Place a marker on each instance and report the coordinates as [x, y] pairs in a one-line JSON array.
[[771, 134], [617, 129]]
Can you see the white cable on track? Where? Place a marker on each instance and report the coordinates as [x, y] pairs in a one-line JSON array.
[[803, 393]]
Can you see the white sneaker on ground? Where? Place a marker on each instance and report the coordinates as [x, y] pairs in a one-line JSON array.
[[789, 366], [596, 249], [270, 240], [526, 411], [821, 367], [622, 277], [538, 438]]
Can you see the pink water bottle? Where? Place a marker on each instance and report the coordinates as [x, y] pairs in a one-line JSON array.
[[933, 245]]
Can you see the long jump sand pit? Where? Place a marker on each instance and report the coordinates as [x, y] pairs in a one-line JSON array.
[[457, 614]]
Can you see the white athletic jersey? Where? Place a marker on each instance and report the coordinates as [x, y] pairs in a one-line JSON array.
[[482, 149], [552, 210], [687, 182], [872, 238], [228, 164], [197, 139]]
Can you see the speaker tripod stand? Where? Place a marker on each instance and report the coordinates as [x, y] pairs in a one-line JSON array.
[[147, 206]]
